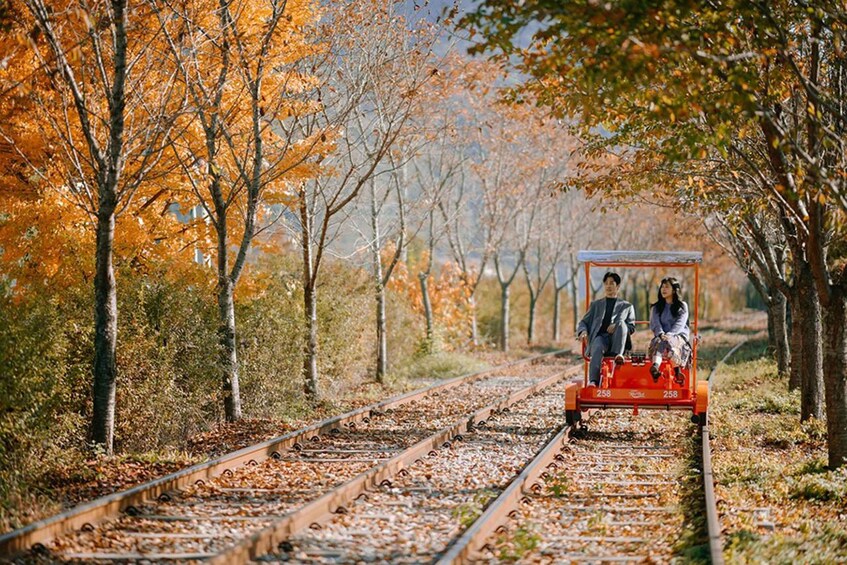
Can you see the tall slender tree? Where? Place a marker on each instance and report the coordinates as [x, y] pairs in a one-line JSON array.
[[238, 146], [103, 101]]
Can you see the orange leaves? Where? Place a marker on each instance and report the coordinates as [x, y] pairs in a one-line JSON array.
[[448, 293]]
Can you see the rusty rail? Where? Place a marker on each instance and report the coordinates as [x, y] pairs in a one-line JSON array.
[[498, 512], [713, 524], [106, 507], [267, 540]]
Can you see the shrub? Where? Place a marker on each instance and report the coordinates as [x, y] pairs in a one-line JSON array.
[[168, 374], [440, 366], [272, 336], [830, 485], [42, 396]]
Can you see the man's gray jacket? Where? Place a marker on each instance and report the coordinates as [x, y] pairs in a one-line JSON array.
[[623, 312]]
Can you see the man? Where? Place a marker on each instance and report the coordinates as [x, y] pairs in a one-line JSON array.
[[606, 326]]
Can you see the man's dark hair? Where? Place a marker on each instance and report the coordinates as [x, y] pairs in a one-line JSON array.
[[616, 277]]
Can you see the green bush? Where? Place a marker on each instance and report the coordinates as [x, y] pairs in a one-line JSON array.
[[831, 485], [271, 339], [167, 363], [42, 396], [440, 366]]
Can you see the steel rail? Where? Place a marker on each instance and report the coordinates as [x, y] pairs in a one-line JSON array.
[[713, 524], [335, 501], [498, 512], [104, 508]]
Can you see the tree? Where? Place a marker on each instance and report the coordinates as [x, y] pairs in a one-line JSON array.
[[367, 80], [774, 67], [237, 146], [102, 101]]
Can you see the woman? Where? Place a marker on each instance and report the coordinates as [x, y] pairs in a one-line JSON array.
[[669, 322]]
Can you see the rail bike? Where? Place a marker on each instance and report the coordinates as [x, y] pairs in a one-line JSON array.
[[629, 384]]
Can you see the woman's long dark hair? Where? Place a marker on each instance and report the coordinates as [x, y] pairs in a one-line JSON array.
[[676, 305]]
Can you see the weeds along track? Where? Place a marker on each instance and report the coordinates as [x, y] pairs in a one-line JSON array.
[[611, 493], [247, 508]]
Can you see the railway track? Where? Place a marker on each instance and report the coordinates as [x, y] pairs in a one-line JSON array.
[[243, 505], [612, 494], [435, 476], [415, 518], [608, 496]]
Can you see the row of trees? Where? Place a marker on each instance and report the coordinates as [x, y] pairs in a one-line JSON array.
[[149, 129], [146, 132], [138, 132], [734, 111]]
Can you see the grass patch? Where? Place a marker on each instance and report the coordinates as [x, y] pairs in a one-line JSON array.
[[514, 547], [441, 365], [821, 485], [693, 545], [781, 503], [559, 485], [467, 512]]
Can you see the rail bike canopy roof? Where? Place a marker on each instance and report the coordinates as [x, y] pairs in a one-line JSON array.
[[640, 258]]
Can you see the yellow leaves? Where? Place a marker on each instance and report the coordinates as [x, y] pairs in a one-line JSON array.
[[75, 56]]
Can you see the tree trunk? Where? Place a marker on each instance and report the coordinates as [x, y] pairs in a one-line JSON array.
[[427, 304], [795, 378], [557, 312], [780, 330], [474, 326], [811, 363], [310, 308], [634, 301], [381, 341], [771, 328], [310, 360], [105, 334], [226, 328], [530, 329], [229, 355], [504, 317], [381, 336], [835, 356]]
